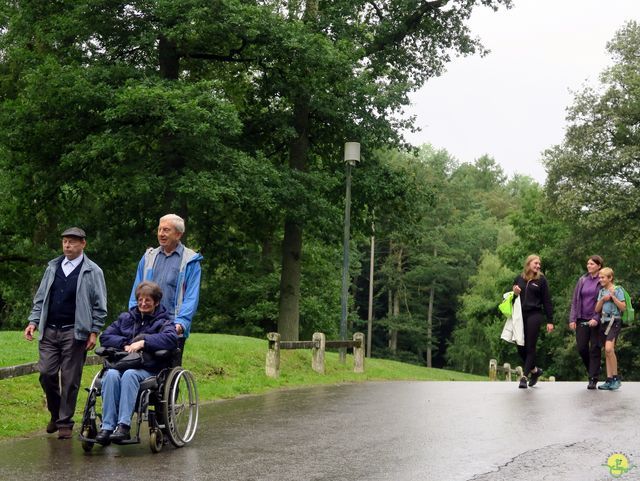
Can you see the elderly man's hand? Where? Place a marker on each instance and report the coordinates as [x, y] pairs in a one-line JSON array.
[[28, 332], [91, 341]]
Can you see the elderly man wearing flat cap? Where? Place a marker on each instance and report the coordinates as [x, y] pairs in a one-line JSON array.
[[69, 310]]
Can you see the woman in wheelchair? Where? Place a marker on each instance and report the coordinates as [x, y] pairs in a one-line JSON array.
[[147, 327]]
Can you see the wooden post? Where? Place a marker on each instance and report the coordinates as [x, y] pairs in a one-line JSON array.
[[493, 369], [507, 370], [519, 372], [358, 352], [272, 368], [317, 353]]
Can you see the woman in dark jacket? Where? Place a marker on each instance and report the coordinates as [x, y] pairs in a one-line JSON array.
[[535, 301], [586, 321], [146, 327]]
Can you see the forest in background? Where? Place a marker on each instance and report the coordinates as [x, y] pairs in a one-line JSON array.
[[233, 114]]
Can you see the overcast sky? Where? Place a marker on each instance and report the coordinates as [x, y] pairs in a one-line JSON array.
[[512, 103]]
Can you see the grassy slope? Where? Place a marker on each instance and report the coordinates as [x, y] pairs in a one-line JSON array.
[[224, 367]]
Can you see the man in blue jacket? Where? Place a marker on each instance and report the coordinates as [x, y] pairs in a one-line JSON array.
[[69, 310], [176, 269]]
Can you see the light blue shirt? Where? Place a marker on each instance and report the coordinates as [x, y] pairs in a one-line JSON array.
[[69, 265], [609, 308], [165, 273]]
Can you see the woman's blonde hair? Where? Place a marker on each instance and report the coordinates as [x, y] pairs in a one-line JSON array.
[[527, 273]]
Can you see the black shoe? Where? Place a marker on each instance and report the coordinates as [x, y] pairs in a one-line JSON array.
[[523, 382], [534, 377], [120, 434], [593, 382], [65, 432], [103, 436], [51, 426]]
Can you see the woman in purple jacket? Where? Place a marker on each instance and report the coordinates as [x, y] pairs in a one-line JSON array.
[[147, 327], [586, 321]]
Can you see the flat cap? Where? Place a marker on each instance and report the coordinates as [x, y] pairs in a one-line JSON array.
[[74, 232]]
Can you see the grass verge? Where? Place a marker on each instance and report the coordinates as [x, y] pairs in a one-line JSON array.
[[224, 366]]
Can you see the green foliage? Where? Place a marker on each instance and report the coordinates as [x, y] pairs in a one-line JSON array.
[[433, 236], [229, 113], [476, 338], [592, 193]]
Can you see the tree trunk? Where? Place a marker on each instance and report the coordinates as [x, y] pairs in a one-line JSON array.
[[430, 322], [394, 305], [289, 315], [432, 294], [168, 59], [169, 65], [289, 312], [289, 309], [393, 332]]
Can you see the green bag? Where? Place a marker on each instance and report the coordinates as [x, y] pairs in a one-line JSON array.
[[628, 315], [506, 306]]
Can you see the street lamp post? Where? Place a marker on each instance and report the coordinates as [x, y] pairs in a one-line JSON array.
[[351, 156]]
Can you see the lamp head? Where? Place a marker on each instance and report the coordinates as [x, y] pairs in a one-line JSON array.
[[352, 152]]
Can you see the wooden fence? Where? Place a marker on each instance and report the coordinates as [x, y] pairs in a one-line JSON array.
[[318, 344], [32, 367], [505, 370]]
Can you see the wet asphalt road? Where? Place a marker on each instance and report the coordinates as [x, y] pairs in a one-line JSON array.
[[396, 431]]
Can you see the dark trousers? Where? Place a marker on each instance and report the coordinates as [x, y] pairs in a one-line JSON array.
[[61, 361], [589, 347], [532, 321]]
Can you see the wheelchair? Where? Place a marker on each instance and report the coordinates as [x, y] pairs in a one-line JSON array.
[[168, 402]]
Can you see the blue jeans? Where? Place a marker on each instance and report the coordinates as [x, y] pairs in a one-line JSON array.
[[119, 393]]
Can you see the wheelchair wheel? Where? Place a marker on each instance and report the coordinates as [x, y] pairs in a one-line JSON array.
[[88, 432], [180, 406], [156, 440], [89, 416]]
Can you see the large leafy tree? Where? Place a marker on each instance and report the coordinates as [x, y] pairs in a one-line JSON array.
[[594, 175], [231, 113], [352, 68], [593, 184]]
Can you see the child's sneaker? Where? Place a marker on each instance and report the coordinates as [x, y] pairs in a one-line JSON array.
[[605, 386], [615, 384], [523, 383]]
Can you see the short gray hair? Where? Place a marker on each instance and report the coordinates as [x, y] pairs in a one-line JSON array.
[[151, 289], [176, 220]]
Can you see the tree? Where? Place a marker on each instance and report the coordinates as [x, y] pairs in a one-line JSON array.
[[476, 338], [593, 184], [193, 106], [594, 175], [374, 56], [432, 236]]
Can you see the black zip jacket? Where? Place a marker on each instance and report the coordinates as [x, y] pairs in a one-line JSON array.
[[534, 296]]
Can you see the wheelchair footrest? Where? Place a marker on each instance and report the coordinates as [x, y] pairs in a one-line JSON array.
[[135, 440]]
